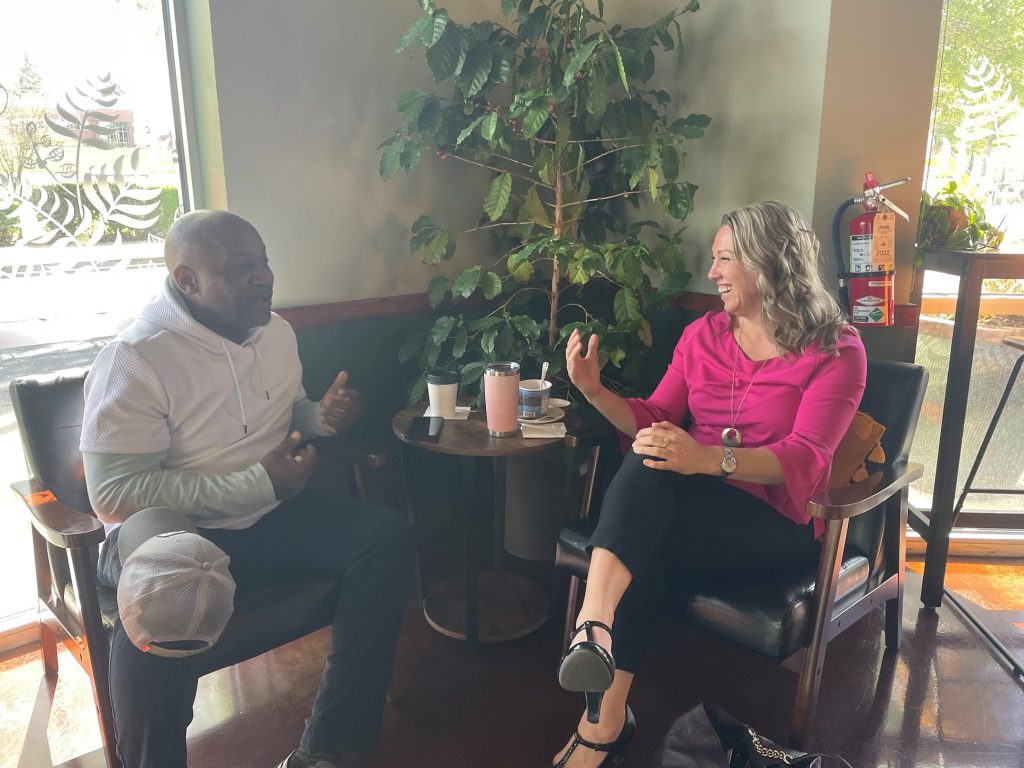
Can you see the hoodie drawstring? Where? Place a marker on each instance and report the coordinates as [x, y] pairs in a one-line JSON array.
[[259, 362], [238, 389]]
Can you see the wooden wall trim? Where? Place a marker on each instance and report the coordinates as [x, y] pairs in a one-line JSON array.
[[317, 315]]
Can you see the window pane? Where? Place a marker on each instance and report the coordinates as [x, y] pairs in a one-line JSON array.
[[89, 184]]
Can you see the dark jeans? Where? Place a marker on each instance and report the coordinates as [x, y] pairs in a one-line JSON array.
[[670, 529], [371, 551]]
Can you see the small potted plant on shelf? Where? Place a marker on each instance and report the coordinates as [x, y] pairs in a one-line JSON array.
[[553, 104], [952, 220]]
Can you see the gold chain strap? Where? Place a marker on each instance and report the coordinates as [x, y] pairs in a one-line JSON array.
[[763, 751]]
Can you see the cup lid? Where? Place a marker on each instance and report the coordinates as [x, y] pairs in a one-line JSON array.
[[501, 369], [442, 376]]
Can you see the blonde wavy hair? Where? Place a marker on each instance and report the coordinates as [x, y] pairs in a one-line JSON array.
[[776, 243]]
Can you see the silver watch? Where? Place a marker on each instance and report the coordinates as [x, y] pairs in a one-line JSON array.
[[728, 463]]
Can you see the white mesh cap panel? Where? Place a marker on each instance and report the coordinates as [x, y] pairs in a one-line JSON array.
[[176, 594]]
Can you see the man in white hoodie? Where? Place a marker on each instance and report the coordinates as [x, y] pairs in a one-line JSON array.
[[199, 406]]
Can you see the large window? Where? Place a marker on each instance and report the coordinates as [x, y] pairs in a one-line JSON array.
[[89, 184], [976, 151]]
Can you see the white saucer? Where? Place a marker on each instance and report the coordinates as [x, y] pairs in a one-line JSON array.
[[553, 415], [556, 402]]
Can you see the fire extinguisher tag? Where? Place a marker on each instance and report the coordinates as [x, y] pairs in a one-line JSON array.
[[883, 258]]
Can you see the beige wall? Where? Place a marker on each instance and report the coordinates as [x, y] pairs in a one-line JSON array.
[[307, 91]]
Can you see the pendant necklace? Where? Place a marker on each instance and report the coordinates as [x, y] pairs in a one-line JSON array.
[[731, 436]]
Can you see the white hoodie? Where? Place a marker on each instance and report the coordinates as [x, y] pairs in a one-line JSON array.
[[183, 416]]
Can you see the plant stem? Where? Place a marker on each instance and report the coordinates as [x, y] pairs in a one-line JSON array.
[[555, 271]]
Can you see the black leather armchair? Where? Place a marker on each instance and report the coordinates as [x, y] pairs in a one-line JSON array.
[[860, 565], [66, 536]]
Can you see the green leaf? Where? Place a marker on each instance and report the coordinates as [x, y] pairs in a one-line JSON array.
[[411, 346], [626, 308], [619, 64], [522, 272], [526, 326], [436, 249], [669, 162], [432, 33], [430, 117], [468, 130], [501, 68], [690, 127], [674, 284], [410, 105], [471, 372], [498, 196], [390, 161], [476, 69], [442, 329], [418, 391], [578, 61], [644, 331], [422, 223], [583, 265], [436, 289], [597, 93], [534, 208], [652, 183], [532, 28], [489, 125], [483, 323], [421, 24], [467, 282], [410, 156], [542, 166], [507, 6], [445, 57], [534, 121], [491, 284], [461, 340], [487, 340]]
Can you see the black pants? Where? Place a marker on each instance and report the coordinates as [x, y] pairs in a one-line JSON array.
[[371, 551], [670, 529]]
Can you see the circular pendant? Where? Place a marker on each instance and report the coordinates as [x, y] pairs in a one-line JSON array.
[[732, 437]]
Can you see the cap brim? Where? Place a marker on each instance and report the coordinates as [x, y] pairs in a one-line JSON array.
[[147, 523]]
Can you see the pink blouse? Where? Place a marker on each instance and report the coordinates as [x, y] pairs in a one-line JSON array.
[[798, 407]]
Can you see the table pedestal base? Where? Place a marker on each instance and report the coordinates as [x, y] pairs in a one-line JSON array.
[[511, 606]]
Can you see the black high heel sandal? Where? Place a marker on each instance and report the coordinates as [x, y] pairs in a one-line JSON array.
[[616, 749], [588, 667]]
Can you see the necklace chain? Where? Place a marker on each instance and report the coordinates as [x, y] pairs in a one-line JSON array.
[[730, 435]]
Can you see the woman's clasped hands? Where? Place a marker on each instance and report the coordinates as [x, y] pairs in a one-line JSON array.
[[670, 447]]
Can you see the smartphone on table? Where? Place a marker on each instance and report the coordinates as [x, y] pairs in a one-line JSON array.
[[425, 428]]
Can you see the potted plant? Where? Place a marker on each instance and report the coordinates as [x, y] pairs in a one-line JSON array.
[[553, 104], [952, 220]]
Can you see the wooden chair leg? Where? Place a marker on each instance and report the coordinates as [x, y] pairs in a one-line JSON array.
[[570, 610], [48, 650]]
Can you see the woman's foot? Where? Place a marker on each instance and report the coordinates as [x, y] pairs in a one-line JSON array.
[[588, 664], [594, 744]]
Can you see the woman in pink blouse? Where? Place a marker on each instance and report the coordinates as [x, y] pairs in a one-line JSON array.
[[768, 388]]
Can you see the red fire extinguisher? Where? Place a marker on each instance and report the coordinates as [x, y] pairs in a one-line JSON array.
[[869, 278]]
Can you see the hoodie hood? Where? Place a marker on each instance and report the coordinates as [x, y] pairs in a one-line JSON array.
[[169, 312]]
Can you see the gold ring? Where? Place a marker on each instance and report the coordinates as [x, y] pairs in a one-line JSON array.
[[664, 442]]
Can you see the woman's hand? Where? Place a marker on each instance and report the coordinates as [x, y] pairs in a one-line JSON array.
[[671, 447], [584, 372]]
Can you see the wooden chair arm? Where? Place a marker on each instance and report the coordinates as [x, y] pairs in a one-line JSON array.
[[60, 525], [858, 498]]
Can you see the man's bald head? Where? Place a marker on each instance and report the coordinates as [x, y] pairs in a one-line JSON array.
[[219, 264], [197, 236]]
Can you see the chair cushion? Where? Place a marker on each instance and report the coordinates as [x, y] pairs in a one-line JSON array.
[[771, 616], [861, 443], [265, 617]]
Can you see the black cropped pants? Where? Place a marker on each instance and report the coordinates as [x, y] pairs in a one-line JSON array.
[[670, 529]]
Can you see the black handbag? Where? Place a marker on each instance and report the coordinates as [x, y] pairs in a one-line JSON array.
[[709, 737]]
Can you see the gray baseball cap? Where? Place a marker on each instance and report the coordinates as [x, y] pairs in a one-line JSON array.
[[175, 594]]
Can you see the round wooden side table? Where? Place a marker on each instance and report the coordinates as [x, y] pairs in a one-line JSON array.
[[482, 605]]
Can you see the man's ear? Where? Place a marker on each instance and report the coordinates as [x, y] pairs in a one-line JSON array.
[[186, 280]]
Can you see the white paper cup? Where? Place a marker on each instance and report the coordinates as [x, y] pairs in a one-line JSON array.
[[534, 395], [442, 391]]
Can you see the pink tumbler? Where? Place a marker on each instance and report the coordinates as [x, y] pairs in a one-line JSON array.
[[501, 398]]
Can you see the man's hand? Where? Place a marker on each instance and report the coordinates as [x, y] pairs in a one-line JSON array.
[[339, 406], [290, 467]]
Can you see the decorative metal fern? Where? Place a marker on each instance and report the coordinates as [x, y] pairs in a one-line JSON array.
[[93, 197]]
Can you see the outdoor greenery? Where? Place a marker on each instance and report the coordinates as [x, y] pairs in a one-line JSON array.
[[553, 103]]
